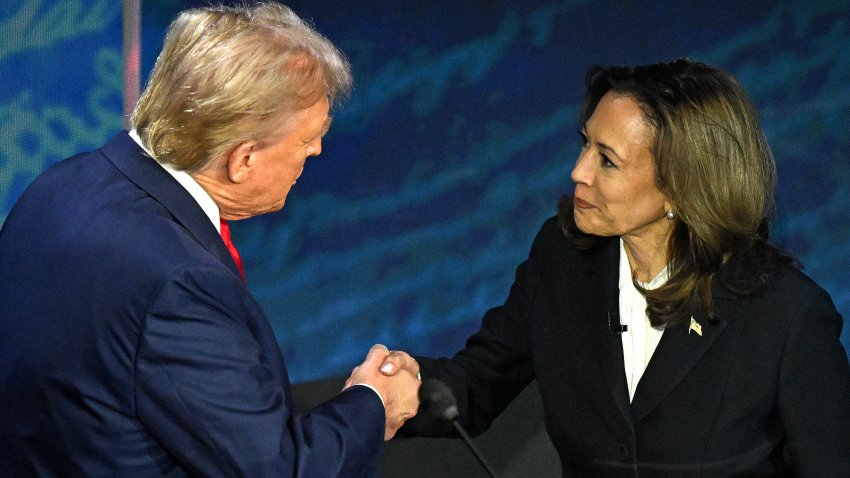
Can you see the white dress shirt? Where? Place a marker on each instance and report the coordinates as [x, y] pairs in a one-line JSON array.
[[641, 338], [189, 184]]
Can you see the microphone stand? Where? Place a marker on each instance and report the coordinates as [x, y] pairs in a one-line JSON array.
[[472, 448], [437, 400]]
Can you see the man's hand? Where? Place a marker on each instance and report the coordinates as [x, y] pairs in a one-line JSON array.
[[399, 391], [397, 361]]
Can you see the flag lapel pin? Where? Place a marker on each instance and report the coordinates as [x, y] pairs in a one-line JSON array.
[[695, 326]]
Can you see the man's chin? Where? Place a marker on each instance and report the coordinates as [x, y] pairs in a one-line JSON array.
[[274, 208]]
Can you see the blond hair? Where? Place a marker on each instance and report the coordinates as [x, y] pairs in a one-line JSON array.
[[231, 74]]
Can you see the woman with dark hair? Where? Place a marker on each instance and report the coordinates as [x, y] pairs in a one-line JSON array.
[[667, 335]]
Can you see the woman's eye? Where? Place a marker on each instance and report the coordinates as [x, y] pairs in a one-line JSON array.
[[606, 163]]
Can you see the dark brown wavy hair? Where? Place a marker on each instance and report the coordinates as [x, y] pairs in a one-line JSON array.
[[714, 165]]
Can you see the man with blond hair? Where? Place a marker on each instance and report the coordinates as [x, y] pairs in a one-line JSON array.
[[129, 342]]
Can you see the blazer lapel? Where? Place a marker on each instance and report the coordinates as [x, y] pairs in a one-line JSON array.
[[142, 170], [601, 304], [679, 350], [610, 349]]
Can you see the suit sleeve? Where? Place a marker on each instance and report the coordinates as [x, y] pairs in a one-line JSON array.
[[495, 365], [207, 390], [814, 392]]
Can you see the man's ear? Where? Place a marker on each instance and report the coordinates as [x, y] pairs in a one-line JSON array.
[[241, 161]]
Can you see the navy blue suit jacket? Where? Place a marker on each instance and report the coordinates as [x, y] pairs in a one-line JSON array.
[[129, 345]]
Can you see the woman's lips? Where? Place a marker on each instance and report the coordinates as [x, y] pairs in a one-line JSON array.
[[581, 204]]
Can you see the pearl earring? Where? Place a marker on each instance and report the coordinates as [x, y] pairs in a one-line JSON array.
[[670, 215]]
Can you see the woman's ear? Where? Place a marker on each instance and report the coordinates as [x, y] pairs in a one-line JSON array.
[[670, 210]]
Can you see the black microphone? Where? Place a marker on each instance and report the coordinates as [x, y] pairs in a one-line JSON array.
[[438, 401], [616, 327]]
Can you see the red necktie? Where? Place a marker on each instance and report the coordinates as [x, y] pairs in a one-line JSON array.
[[225, 235]]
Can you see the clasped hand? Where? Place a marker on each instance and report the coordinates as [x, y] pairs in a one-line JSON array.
[[395, 376]]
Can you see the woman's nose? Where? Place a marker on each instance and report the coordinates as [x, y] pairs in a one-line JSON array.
[[582, 173]]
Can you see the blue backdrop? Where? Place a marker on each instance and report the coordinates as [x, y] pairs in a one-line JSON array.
[[454, 147]]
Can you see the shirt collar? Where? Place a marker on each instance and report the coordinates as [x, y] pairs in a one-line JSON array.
[[626, 273], [191, 186]]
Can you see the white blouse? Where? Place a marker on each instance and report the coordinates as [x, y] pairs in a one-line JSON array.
[[640, 338]]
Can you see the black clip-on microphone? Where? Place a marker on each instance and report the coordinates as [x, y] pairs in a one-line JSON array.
[[438, 401], [616, 328]]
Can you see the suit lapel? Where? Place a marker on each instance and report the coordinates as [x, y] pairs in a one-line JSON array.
[[679, 350], [133, 162], [610, 347], [599, 301]]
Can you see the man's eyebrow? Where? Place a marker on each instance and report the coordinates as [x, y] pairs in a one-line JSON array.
[[327, 125]]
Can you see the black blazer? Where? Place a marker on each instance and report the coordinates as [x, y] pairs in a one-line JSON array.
[[764, 391]]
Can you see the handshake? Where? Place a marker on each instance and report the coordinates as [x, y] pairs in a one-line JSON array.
[[394, 375]]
